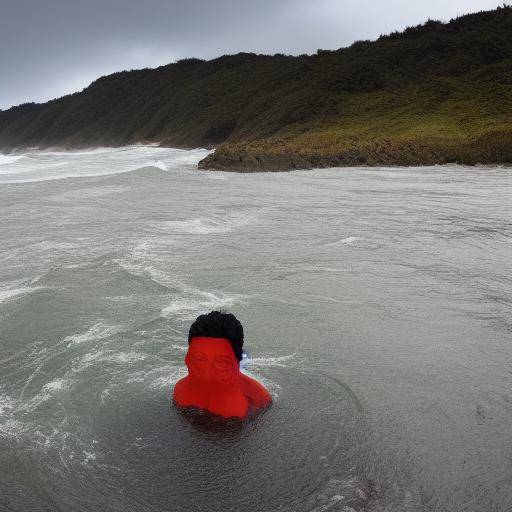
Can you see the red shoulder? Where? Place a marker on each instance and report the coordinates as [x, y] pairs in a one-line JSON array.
[[257, 393], [181, 392]]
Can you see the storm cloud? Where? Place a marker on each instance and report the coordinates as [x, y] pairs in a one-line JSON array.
[[52, 47]]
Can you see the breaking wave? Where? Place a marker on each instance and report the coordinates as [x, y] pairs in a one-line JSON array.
[[15, 290], [10, 159], [53, 165]]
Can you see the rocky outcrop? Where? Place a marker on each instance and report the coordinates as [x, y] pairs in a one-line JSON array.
[[494, 148]]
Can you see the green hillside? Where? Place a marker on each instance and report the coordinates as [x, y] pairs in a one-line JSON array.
[[434, 93]]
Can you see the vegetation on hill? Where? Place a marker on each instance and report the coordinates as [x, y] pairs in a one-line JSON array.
[[435, 93]]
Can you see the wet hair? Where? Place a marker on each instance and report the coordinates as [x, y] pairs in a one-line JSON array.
[[217, 324]]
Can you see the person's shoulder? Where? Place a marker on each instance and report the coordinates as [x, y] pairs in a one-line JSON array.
[[179, 387], [256, 391]]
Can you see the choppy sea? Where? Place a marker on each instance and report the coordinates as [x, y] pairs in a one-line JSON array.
[[376, 304]]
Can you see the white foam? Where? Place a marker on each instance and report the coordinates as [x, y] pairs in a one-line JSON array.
[[10, 159], [46, 437], [7, 404], [98, 331], [47, 392], [196, 301], [158, 378], [208, 225], [158, 164], [13, 428], [165, 380], [101, 356], [189, 300], [105, 394], [54, 385], [137, 264], [91, 357], [353, 241], [88, 456], [39, 165], [269, 361], [12, 290], [126, 357], [350, 240], [6, 294]]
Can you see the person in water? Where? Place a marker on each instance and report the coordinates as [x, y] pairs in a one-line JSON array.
[[214, 382]]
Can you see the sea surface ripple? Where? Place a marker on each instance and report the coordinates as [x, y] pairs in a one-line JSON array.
[[376, 304]]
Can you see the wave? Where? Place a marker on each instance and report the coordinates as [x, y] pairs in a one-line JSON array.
[[10, 406], [350, 240], [16, 289], [7, 404], [9, 426], [54, 385], [10, 159], [188, 301], [198, 301], [158, 164], [53, 165], [159, 378], [208, 225], [145, 270], [48, 391], [109, 356], [16, 419], [269, 361], [97, 332]]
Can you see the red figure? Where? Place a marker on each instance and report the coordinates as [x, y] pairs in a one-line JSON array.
[[215, 383]]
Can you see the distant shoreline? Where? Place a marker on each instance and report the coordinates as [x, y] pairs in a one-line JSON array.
[[244, 162], [433, 94]]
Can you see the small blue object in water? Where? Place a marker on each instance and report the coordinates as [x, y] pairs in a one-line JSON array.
[[246, 357]]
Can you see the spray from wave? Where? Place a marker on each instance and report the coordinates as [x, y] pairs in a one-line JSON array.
[[52, 165], [9, 159]]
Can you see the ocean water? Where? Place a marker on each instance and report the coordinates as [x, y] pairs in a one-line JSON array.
[[377, 308]]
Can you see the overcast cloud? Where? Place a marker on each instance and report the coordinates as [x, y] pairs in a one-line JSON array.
[[52, 47]]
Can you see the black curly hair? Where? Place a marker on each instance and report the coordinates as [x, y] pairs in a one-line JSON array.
[[218, 324]]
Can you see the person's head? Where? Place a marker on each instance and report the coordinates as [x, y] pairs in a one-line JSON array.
[[217, 324]]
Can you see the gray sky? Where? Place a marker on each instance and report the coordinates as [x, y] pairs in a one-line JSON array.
[[52, 47]]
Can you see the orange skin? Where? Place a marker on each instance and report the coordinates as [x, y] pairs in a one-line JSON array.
[[215, 383]]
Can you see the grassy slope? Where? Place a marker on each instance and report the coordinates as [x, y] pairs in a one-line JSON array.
[[432, 94], [466, 122]]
